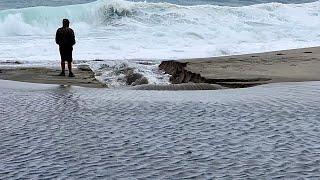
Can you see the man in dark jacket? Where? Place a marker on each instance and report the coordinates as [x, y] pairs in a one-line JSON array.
[[65, 39]]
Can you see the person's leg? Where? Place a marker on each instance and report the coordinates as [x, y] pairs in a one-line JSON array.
[[70, 69], [63, 67], [70, 59], [63, 64]]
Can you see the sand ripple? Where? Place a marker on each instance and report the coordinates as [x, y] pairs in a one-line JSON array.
[[264, 132]]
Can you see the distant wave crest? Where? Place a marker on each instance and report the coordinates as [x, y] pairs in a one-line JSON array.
[[41, 20]]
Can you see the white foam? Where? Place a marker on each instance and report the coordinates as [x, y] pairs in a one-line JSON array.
[[119, 29]]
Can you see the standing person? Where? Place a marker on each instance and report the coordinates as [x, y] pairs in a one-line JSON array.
[[65, 39]]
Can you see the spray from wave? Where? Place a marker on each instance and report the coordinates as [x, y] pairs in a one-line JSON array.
[[118, 29]]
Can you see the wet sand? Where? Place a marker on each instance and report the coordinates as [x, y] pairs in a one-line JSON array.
[[83, 78], [239, 71], [246, 70]]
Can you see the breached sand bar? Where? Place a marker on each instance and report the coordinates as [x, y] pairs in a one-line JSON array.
[[248, 70], [230, 71]]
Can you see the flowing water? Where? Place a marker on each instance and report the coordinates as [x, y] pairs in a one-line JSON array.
[[58, 132]]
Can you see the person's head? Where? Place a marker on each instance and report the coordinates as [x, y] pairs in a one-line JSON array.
[[65, 23]]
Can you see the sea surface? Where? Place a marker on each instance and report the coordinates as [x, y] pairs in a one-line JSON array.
[[10, 4], [172, 29], [60, 132], [124, 32]]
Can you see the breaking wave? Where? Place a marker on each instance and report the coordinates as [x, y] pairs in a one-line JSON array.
[[41, 20], [118, 29]]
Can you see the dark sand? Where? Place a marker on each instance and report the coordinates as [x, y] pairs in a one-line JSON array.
[[231, 71], [83, 78], [279, 66]]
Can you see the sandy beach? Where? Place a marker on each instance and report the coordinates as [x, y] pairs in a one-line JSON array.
[[248, 70], [238, 71], [83, 78]]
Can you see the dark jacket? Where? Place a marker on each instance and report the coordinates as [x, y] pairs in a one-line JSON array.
[[65, 37]]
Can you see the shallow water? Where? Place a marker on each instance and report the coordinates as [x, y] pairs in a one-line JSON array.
[[58, 132]]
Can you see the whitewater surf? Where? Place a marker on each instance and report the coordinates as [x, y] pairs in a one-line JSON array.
[[118, 29]]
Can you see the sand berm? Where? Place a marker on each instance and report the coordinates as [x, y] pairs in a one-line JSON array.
[[238, 71]]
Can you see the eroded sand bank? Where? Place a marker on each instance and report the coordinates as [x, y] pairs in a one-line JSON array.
[[248, 70], [230, 71]]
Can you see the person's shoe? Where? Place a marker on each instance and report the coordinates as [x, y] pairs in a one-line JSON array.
[[71, 74], [62, 74]]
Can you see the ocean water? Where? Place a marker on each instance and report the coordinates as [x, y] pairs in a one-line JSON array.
[[119, 30], [57, 132], [10, 4]]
